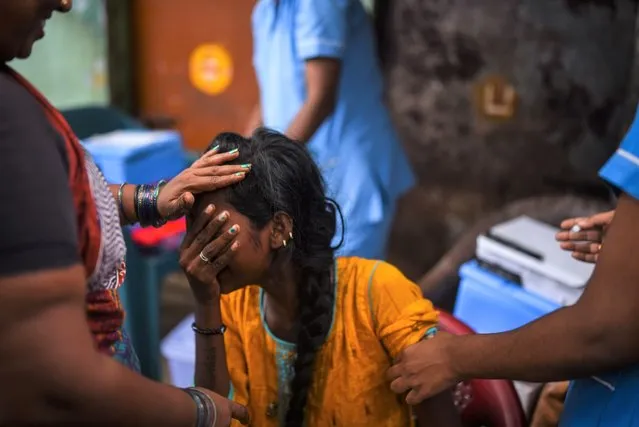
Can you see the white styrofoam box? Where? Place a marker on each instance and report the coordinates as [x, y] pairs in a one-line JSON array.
[[527, 247], [137, 156], [178, 348]]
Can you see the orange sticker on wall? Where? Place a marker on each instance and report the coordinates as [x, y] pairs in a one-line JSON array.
[[210, 69]]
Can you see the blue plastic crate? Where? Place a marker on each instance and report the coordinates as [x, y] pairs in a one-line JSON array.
[[489, 303], [137, 156]]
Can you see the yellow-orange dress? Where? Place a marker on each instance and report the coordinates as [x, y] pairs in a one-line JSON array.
[[378, 312]]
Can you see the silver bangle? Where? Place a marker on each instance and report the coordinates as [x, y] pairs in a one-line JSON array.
[[214, 407], [120, 203], [206, 410]]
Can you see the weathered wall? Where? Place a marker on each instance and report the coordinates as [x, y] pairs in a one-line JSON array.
[[569, 64]]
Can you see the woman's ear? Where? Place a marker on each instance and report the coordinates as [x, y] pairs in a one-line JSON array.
[[281, 230]]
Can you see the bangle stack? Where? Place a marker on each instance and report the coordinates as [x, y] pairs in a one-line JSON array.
[[145, 201], [206, 415]]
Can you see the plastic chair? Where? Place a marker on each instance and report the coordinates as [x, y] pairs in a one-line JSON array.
[[484, 403]]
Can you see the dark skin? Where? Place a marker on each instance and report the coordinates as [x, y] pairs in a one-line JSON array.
[[239, 256], [322, 82], [585, 244], [51, 373], [588, 338]]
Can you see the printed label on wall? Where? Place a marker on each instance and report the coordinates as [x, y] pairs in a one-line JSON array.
[[496, 98], [211, 69]]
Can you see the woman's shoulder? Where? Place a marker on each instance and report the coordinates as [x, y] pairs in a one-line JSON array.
[[363, 278], [363, 271]]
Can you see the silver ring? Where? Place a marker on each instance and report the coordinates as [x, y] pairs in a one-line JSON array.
[[204, 258]]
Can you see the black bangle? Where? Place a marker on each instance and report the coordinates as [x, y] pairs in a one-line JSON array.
[[206, 415], [158, 221], [146, 205], [205, 331], [136, 202]]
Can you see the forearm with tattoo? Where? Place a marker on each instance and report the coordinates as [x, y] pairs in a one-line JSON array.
[[210, 356]]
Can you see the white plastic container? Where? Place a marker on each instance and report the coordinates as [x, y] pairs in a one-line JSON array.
[[178, 348], [527, 248]]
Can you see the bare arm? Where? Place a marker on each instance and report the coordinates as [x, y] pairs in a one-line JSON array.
[[211, 371], [56, 377], [322, 81], [589, 338]]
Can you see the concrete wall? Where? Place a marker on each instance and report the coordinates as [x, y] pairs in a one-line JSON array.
[[570, 66]]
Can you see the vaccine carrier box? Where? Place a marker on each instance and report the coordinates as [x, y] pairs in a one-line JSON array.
[[137, 156]]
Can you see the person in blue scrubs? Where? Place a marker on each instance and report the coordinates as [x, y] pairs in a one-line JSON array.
[[320, 83], [595, 341]]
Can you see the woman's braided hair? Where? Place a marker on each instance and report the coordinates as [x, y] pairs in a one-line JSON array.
[[285, 178]]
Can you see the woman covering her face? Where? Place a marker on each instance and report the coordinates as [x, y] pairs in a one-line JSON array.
[[298, 335]]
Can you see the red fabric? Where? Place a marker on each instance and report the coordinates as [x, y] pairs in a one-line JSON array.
[[493, 403], [104, 312]]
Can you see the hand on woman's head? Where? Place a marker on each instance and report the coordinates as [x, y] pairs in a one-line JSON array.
[[22, 24], [280, 206]]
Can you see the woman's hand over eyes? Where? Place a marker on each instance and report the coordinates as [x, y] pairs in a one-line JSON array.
[[203, 255]]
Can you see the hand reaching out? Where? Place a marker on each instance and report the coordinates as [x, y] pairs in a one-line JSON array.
[[584, 236]]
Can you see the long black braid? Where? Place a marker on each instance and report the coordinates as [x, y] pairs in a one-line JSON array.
[[285, 178]]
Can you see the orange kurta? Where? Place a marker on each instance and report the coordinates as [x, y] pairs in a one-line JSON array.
[[378, 312]]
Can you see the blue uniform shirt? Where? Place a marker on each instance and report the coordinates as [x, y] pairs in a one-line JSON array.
[[610, 400], [363, 164]]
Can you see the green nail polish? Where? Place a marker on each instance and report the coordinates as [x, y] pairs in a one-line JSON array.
[[239, 174], [233, 230], [217, 147], [233, 151], [247, 165]]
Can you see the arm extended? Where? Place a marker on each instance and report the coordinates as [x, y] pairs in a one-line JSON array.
[[591, 337]]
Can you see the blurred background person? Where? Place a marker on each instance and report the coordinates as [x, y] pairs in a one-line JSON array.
[[320, 83]]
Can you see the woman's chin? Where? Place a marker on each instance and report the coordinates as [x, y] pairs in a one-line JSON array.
[[224, 290], [227, 284]]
